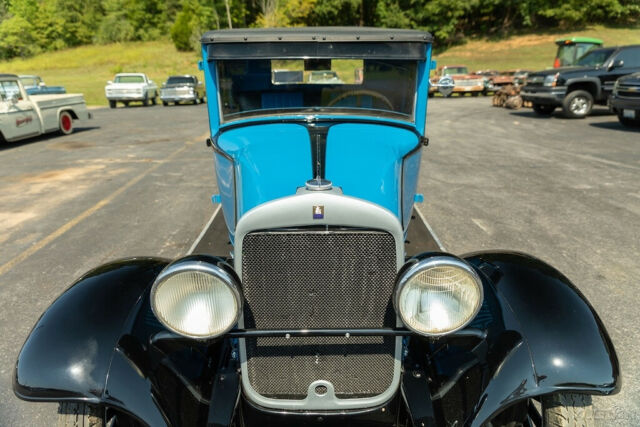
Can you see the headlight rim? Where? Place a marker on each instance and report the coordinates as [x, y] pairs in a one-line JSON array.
[[420, 265], [201, 266]]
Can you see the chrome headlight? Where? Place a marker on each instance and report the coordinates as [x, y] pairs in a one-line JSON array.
[[438, 295], [196, 299]]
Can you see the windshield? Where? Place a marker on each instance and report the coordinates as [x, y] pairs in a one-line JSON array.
[[29, 81], [9, 88], [455, 70], [180, 80], [342, 86], [595, 58], [129, 79]]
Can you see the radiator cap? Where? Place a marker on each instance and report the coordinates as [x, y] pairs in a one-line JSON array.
[[318, 184]]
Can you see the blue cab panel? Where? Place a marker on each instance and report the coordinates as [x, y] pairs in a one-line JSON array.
[[269, 161], [366, 160]]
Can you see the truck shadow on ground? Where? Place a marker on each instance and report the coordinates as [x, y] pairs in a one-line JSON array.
[[557, 114], [43, 138], [615, 125]]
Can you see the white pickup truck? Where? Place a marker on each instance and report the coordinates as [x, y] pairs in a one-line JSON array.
[[24, 116], [127, 87]]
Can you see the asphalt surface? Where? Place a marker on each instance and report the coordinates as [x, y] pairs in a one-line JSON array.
[[138, 181]]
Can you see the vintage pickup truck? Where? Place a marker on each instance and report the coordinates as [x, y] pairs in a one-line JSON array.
[[128, 87], [24, 116], [35, 86]]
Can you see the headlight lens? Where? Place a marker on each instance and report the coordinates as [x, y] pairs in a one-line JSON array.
[[551, 79], [438, 295], [196, 299]]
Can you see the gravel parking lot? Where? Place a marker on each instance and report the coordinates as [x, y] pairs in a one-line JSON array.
[[138, 181]]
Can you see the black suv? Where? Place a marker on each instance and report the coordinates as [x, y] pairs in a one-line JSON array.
[[577, 88], [625, 100]]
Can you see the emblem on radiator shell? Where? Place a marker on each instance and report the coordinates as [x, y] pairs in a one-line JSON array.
[[318, 212]]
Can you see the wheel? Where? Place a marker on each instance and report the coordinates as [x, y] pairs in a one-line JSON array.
[[195, 101], [475, 93], [145, 101], [567, 409], [625, 121], [72, 414], [202, 100], [577, 104], [544, 110], [165, 103], [112, 104], [126, 103], [154, 100], [65, 123]]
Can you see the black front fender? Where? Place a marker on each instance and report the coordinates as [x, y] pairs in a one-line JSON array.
[[568, 346], [70, 351]]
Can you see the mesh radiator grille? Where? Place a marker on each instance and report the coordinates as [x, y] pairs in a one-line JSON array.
[[319, 279]]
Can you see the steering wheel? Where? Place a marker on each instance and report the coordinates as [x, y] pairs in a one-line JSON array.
[[358, 93]]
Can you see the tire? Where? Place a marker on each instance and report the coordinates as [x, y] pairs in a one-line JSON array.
[[202, 101], [126, 103], [71, 414], [112, 104], [567, 410], [624, 121], [577, 104], [145, 101], [165, 103], [65, 123], [154, 100], [544, 110]]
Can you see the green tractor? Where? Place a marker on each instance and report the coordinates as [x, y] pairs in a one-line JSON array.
[[570, 49]]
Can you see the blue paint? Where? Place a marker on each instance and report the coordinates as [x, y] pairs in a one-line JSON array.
[[410, 173], [269, 161], [418, 198], [366, 161], [216, 199], [211, 86], [422, 93]]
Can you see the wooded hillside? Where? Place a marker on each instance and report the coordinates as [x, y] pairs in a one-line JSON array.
[[28, 27]]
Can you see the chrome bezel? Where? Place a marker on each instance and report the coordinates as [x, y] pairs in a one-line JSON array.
[[428, 263], [201, 267]]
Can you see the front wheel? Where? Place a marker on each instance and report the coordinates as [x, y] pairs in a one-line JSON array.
[[154, 100], [71, 414], [65, 123], [577, 104], [112, 104], [567, 409], [543, 110]]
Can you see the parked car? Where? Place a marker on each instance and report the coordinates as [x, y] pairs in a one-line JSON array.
[[320, 315], [131, 87], [577, 89], [35, 86], [452, 79], [24, 116], [625, 99], [182, 88], [571, 49]]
